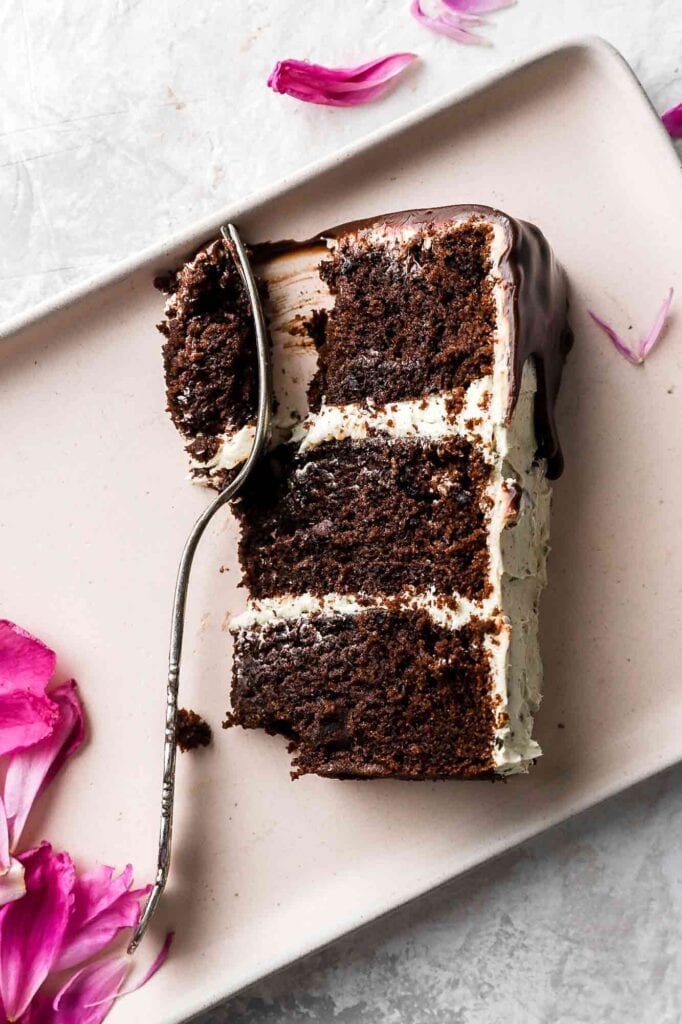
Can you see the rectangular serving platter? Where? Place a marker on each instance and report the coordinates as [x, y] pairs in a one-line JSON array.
[[96, 506]]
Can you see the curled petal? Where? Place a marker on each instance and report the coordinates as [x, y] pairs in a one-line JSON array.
[[80, 994], [337, 87], [25, 719], [12, 886], [647, 342], [26, 665], [615, 338], [103, 905], [32, 928], [478, 6], [456, 26], [12, 882], [96, 891], [4, 839], [650, 339], [30, 771], [158, 962], [87, 997], [672, 119], [25, 662]]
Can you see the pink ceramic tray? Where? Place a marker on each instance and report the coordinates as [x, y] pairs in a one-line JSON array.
[[96, 506]]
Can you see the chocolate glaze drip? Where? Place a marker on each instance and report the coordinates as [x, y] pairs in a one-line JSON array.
[[537, 298]]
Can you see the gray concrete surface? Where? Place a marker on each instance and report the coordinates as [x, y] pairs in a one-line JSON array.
[[581, 926]]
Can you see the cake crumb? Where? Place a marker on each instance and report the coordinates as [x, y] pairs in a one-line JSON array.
[[192, 731], [165, 282]]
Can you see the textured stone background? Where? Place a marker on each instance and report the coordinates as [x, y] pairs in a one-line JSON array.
[[124, 120]]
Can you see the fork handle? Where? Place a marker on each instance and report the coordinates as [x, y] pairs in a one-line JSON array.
[[233, 241]]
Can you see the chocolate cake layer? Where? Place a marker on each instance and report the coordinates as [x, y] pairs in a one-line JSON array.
[[373, 517], [406, 321], [209, 353], [376, 694]]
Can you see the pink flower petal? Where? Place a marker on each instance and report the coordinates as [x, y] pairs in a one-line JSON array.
[[25, 662], [615, 338], [30, 771], [449, 24], [96, 986], [158, 962], [477, 6], [337, 87], [32, 928], [39, 1012], [4, 839], [25, 719], [12, 885], [87, 997], [97, 891], [12, 882], [672, 119], [649, 340], [27, 715], [103, 905]]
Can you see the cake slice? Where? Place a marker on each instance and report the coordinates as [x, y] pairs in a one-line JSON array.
[[394, 539]]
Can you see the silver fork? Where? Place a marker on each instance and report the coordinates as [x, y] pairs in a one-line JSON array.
[[234, 243]]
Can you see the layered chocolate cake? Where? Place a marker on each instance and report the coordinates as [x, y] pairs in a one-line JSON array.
[[394, 538]]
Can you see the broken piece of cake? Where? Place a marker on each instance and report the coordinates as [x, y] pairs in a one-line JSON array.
[[394, 538]]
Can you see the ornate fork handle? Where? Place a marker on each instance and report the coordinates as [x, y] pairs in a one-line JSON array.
[[233, 242]]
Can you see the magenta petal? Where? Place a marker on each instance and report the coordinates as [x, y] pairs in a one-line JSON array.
[[73, 997], [88, 996], [4, 839], [39, 1012], [32, 928], [26, 665], [649, 340], [449, 24], [478, 6], [12, 886], [25, 719], [337, 87], [31, 770], [96, 891], [12, 882], [672, 119], [158, 961], [615, 338], [25, 662], [103, 905]]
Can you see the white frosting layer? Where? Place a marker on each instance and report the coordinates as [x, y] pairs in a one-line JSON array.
[[273, 610], [423, 417], [428, 418], [518, 548], [233, 449]]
